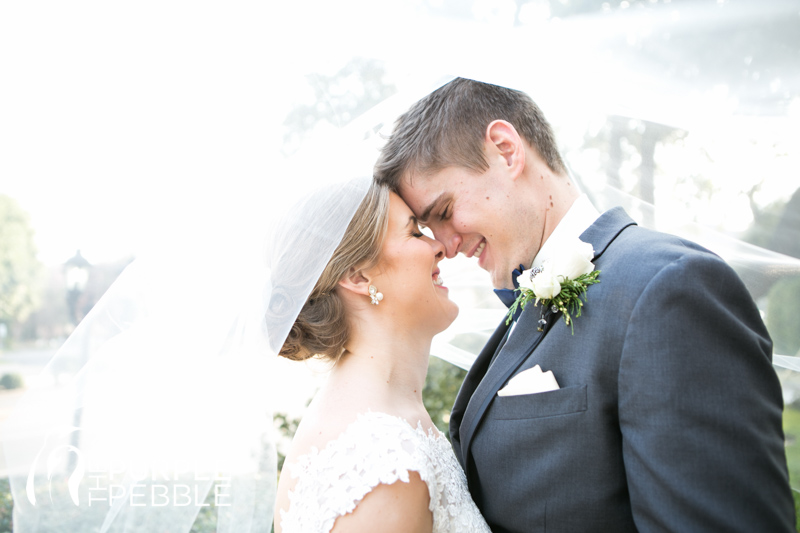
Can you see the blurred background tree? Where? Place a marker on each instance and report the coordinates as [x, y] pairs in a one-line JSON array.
[[337, 99], [20, 270], [782, 312], [777, 227], [441, 387], [786, 233]]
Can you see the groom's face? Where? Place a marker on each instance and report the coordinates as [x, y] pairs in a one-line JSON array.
[[481, 215]]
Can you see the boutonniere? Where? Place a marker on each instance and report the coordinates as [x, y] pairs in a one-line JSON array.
[[559, 283]]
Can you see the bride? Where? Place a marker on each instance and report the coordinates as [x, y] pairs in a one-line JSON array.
[[350, 279], [366, 454]]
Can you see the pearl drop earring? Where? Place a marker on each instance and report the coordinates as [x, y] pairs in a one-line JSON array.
[[374, 295]]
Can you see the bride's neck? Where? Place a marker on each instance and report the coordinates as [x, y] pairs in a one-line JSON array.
[[384, 365]]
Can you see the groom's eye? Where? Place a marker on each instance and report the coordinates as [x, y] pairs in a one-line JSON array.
[[445, 214]]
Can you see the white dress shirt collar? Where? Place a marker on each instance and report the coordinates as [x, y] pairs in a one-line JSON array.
[[578, 218]]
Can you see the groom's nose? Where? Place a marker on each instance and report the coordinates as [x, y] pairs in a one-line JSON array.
[[451, 241]]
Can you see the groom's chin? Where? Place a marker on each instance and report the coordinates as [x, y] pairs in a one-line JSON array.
[[501, 281]]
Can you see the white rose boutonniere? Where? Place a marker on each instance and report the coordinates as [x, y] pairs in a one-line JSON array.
[[559, 283], [544, 284]]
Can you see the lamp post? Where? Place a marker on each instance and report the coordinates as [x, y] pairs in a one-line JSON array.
[[76, 272]]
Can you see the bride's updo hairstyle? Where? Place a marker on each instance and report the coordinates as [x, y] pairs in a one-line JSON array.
[[321, 328]]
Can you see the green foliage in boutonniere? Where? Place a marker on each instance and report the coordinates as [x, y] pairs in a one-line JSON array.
[[568, 300], [559, 283]]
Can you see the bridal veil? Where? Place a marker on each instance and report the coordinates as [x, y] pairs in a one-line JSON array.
[[164, 408]]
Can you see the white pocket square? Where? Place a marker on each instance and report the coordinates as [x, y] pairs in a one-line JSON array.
[[530, 381]]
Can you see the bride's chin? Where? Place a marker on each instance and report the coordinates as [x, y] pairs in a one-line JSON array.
[[448, 314]]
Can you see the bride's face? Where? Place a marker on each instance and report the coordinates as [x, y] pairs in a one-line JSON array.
[[408, 273]]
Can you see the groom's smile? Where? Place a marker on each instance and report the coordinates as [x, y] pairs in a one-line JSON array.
[[479, 250], [476, 251]]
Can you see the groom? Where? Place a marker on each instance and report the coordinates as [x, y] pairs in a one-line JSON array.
[[668, 411]]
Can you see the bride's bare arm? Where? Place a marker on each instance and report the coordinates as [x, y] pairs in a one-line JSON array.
[[397, 508]]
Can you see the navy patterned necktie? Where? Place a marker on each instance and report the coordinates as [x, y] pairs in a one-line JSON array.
[[508, 296]]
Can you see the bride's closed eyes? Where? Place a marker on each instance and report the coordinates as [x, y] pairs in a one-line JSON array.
[[415, 227]]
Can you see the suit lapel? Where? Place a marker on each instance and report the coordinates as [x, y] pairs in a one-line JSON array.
[[477, 393], [605, 229], [519, 346], [471, 382]]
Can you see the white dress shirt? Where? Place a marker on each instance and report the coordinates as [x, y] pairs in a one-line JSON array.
[[578, 218]]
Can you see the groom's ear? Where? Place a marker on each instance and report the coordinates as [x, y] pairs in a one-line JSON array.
[[355, 281], [504, 142]]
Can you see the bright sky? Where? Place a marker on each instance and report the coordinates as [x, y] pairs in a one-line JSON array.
[[117, 116], [118, 119]]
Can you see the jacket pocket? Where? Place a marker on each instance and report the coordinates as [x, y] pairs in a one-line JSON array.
[[559, 402]]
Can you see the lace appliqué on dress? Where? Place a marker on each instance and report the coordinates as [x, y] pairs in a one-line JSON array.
[[378, 448]]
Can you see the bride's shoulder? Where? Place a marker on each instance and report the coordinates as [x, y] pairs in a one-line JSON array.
[[369, 453]]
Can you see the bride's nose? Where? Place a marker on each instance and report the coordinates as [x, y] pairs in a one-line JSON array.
[[438, 248]]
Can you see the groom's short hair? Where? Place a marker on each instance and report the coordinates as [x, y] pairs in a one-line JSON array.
[[447, 128]]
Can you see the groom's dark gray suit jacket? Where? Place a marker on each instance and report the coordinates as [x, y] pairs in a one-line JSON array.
[[669, 413]]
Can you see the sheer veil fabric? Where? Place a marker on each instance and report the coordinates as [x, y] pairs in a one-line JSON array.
[[170, 381], [171, 407]]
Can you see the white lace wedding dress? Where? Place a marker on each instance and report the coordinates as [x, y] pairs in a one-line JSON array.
[[378, 448]]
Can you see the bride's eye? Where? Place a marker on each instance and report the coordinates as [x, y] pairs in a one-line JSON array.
[[444, 215]]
